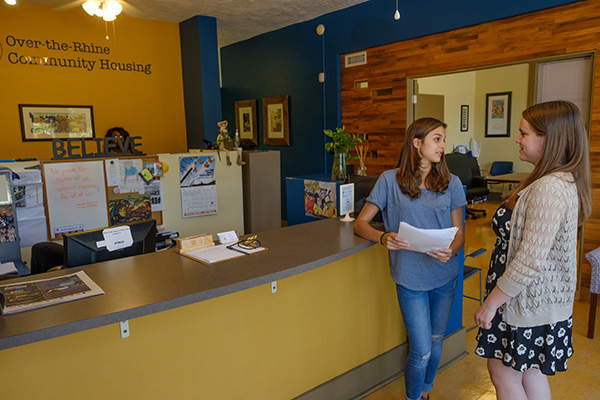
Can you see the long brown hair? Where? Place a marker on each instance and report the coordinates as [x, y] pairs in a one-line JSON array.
[[566, 150], [409, 171]]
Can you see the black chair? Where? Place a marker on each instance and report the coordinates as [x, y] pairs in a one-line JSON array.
[[362, 188], [46, 255], [464, 167]]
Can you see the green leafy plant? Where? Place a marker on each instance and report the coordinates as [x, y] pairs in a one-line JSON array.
[[342, 142]]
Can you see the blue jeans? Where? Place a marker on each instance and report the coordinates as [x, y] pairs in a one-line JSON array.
[[425, 316]]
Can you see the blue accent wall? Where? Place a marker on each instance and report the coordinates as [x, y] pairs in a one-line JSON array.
[[288, 61], [200, 71]]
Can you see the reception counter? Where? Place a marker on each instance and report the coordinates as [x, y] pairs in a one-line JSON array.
[[218, 331]]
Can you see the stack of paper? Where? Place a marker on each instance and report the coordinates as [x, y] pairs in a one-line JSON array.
[[424, 240], [209, 255]]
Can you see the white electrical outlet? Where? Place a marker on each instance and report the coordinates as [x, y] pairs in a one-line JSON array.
[[274, 287]]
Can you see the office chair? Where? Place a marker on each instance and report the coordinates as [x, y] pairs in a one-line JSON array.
[[362, 188], [463, 167], [468, 272], [46, 255], [500, 168]]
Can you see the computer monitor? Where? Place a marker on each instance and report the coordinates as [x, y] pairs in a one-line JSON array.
[[88, 247]]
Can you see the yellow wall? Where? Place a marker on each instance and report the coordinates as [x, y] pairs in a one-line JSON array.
[[471, 88], [247, 345], [457, 89], [147, 105], [515, 79]]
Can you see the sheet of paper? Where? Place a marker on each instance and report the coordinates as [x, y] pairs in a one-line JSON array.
[[213, 254], [5, 195], [8, 268], [28, 196], [117, 238], [28, 177], [199, 200], [113, 175], [424, 240], [155, 189], [130, 180], [221, 253], [32, 226]]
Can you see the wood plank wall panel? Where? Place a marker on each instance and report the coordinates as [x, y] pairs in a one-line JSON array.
[[558, 31]]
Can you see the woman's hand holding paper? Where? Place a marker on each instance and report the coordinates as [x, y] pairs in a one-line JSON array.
[[442, 255], [392, 241]]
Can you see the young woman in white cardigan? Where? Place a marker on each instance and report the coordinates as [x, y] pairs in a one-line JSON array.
[[526, 319]]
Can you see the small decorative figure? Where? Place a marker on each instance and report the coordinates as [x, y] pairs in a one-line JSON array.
[[223, 137], [224, 141]]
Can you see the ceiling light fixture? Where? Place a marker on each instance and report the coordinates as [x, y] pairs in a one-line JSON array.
[[11, 2], [397, 13], [107, 10]]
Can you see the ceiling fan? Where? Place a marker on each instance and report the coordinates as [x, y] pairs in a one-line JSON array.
[[105, 9]]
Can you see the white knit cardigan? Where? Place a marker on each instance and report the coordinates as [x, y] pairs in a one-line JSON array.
[[541, 265]]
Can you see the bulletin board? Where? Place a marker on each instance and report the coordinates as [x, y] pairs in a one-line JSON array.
[[85, 194]]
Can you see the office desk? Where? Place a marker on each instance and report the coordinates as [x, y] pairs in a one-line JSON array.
[[515, 177]]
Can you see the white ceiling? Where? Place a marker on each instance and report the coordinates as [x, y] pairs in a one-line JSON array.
[[236, 20]]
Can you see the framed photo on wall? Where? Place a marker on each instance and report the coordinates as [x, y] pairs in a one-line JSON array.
[[276, 128], [245, 120], [497, 114], [464, 118], [47, 122]]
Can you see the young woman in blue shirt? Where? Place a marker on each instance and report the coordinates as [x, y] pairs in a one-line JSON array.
[[422, 192]]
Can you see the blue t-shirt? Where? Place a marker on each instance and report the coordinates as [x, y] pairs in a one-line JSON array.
[[431, 210]]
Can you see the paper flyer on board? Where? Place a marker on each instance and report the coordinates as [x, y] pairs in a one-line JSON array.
[[424, 240]]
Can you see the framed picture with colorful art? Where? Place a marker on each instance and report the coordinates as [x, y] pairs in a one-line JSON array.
[[47, 122], [497, 114]]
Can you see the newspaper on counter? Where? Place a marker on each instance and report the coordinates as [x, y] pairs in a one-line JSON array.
[[23, 296], [424, 240]]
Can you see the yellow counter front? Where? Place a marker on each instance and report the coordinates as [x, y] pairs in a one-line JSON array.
[[217, 331]]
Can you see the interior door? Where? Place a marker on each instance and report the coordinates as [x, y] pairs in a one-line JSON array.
[[425, 105]]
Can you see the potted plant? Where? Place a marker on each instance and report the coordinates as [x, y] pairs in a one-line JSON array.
[[341, 144]]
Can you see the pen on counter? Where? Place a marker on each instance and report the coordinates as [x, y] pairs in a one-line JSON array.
[[238, 250]]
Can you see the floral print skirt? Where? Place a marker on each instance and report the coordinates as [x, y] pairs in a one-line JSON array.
[[544, 347]]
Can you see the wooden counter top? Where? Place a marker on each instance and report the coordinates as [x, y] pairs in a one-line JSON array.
[[151, 283]]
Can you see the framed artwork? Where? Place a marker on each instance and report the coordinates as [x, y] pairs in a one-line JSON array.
[[464, 118], [276, 129], [497, 114], [47, 122], [245, 120]]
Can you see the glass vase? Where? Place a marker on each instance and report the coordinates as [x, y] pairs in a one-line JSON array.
[[338, 170], [362, 170]]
